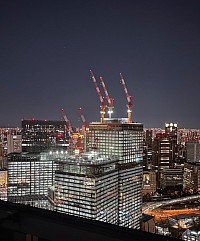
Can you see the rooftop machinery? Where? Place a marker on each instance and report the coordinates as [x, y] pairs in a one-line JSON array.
[[109, 99], [129, 99], [103, 105]]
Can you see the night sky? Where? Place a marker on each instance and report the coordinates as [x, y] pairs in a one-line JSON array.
[[48, 47]]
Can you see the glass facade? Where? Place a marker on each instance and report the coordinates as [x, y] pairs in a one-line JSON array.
[[124, 141], [29, 176], [87, 186]]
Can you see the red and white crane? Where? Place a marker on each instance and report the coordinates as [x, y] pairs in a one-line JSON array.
[[68, 125], [109, 99], [80, 110], [129, 99], [103, 106]]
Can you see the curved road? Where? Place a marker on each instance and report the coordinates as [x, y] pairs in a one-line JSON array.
[[153, 208]]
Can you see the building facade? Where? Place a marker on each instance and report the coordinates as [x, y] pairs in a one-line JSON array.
[[172, 179], [164, 151], [87, 186], [39, 136], [29, 176], [124, 140]]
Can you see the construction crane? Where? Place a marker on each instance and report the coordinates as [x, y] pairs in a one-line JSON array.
[[103, 106], [80, 110], [70, 131], [109, 99], [129, 99], [68, 125]]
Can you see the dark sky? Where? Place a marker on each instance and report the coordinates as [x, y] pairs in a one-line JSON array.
[[47, 48]]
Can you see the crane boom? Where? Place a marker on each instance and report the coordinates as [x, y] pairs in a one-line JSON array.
[[68, 125], [96, 87], [80, 110], [128, 97], [109, 99], [103, 106]]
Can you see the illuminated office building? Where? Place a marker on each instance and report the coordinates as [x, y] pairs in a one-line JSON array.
[[124, 140], [29, 176], [39, 135], [87, 186]]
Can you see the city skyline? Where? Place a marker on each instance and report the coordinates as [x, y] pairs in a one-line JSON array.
[[47, 50]]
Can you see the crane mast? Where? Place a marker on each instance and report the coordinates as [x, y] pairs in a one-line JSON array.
[[109, 99], [129, 99], [103, 106]]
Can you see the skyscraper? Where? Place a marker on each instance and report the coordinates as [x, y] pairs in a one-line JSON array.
[[125, 141]]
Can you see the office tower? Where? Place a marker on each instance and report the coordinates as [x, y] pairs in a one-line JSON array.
[[164, 150], [39, 135], [87, 186], [124, 140], [191, 177], [29, 176], [193, 151]]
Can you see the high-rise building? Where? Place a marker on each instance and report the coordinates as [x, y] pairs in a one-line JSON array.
[[87, 186], [164, 150], [29, 176], [125, 141], [39, 135]]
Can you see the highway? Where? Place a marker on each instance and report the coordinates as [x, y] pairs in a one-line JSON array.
[[155, 208]]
